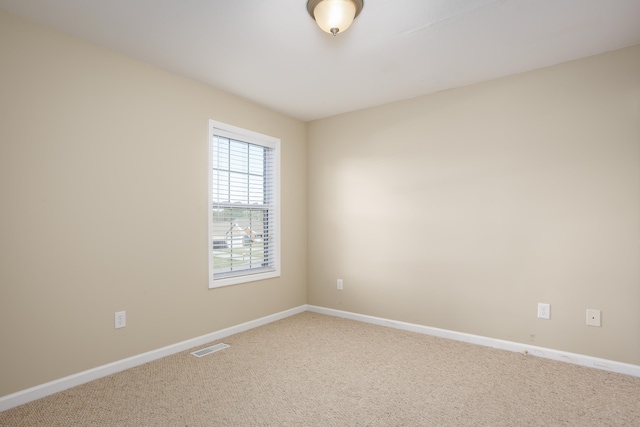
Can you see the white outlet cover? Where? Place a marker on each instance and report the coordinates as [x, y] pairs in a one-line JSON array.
[[120, 319], [544, 311], [593, 317]]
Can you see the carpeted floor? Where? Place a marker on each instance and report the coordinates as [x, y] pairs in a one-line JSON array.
[[316, 370]]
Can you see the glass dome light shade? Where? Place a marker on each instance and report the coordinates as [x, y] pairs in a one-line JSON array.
[[334, 14]]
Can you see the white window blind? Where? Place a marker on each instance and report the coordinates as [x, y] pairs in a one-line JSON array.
[[244, 208]]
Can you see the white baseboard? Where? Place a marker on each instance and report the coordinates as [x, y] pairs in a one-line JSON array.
[[46, 389], [43, 390], [576, 359]]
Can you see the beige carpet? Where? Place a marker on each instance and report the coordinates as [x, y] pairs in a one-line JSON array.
[[315, 370]]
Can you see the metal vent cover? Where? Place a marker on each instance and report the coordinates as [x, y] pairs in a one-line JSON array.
[[209, 350]]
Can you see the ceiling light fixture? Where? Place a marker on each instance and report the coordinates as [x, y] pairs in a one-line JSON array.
[[334, 16]]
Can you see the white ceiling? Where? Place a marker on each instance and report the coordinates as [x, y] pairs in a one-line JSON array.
[[272, 52]]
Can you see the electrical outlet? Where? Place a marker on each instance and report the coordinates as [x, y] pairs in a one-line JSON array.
[[544, 311], [340, 287], [121, 319], [593, 317]]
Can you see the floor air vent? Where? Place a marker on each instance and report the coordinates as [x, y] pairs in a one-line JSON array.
[[210, 350]]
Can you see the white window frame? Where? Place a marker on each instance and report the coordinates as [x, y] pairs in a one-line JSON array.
[[243, 135]]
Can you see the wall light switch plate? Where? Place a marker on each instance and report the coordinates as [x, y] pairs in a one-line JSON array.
[[593, 317]]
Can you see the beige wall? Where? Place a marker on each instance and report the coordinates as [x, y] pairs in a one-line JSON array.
[[464, 209], [103, 184]]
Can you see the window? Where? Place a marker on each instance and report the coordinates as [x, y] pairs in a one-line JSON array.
[[244, 205]]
